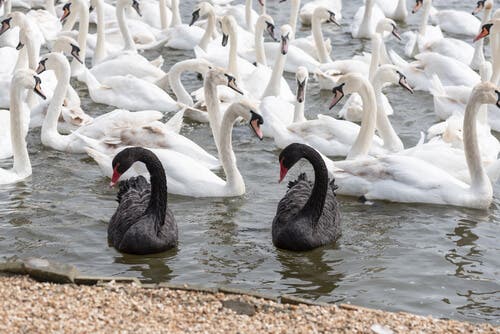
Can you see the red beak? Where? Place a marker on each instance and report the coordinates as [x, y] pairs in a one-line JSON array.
[[484, 32], [115, 177], [283, 171]]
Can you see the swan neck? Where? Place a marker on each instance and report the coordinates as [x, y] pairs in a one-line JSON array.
[[260, 54], [209, 31], [274, 86], [84, 30], [100, 50], [392, 142], [18, 130], [495, 52], [49, 7], [364, 140], [375, 59], [163, 14], [127, 37], [316, 202], [158, 201], [214, 114], [174, 77], [248, 15], [233, 51], [323, 55], [176, 15], [234, 180], [294, 15], [425, 17], [367, 15], [479, 178], [401, 12], [50, 135], [7, 7]]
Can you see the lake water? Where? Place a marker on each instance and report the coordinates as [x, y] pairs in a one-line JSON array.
[[436, 260]]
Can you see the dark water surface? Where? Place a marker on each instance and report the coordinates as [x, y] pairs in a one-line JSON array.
[[424, 259]]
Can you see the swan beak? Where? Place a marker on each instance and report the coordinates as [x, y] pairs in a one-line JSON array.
[[19, 46], [270, 31], [418, 5], [283, 171], [135, 5], [332, 19], [404, 83], [261, 2], [498, 100], [5, 25], [38, 89], [485, 31], [301, 91], [195, 17], [41, 66], [115, 177], [479, 8], [231, 83], [395, 32], [338, 94], [75, 52], [225, 38], [66, 11], [91, 9], [255, 122], [284, 44]]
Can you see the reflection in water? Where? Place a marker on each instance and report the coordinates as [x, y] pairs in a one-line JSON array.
[[153, 268], [465, 239], [308, 273]]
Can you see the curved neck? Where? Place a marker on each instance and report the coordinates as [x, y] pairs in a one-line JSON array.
[[375, 60], [176, 15], [315, 203], [260, 55], [212, 102], [209, 30], [248, 15], [392, 142], [323, 55], [234, 180], [274, 86], [163, 15], [22, 164], [50, 135], [100, 50], [233, 51], [364, 140], [294, 14], [174, 77], [158, 201], [425, 17], [127, 38], [479, 178]]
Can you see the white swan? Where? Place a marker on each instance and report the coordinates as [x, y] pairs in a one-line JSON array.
[[22, 80], [185, 176], [243, 13], [182, 36], [400, 178], [478, 58], [365, 20], [455, 21], [306, 13], [205, 9]]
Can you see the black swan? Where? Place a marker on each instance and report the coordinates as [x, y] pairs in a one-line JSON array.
[[142, 223], [308, 216]]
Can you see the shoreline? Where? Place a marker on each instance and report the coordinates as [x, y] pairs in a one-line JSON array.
[[41, 297]]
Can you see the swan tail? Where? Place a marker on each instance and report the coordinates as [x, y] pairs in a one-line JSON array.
[[138, 183], [175, 122], [302, 177], [436, 86]]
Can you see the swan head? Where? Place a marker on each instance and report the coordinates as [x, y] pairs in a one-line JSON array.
[[27, 79], [68, 46], [418, 5], [389, 25], [66, 11], [482, 4], [347, 84], [228, 25], [124, 160], [325, 15], [136, 7], [290, 156], [248, 111], [391, 74], [265, 21], [486, 93], [492, 27], [218, 76], [286, 36], [302, 75], [202, 9], [53, 61], [14, 19]]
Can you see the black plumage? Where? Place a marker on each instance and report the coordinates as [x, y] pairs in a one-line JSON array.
[[142, 223], [308, 216]]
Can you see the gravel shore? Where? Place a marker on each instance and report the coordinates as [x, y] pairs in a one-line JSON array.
[[27, 306]]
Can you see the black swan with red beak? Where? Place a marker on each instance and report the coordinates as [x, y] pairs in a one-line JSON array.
[[308, 216], [142, 223]]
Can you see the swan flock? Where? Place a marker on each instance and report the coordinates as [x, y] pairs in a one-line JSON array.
[[245, 62]]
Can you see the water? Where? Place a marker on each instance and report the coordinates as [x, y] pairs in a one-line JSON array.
[[424, 259]]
